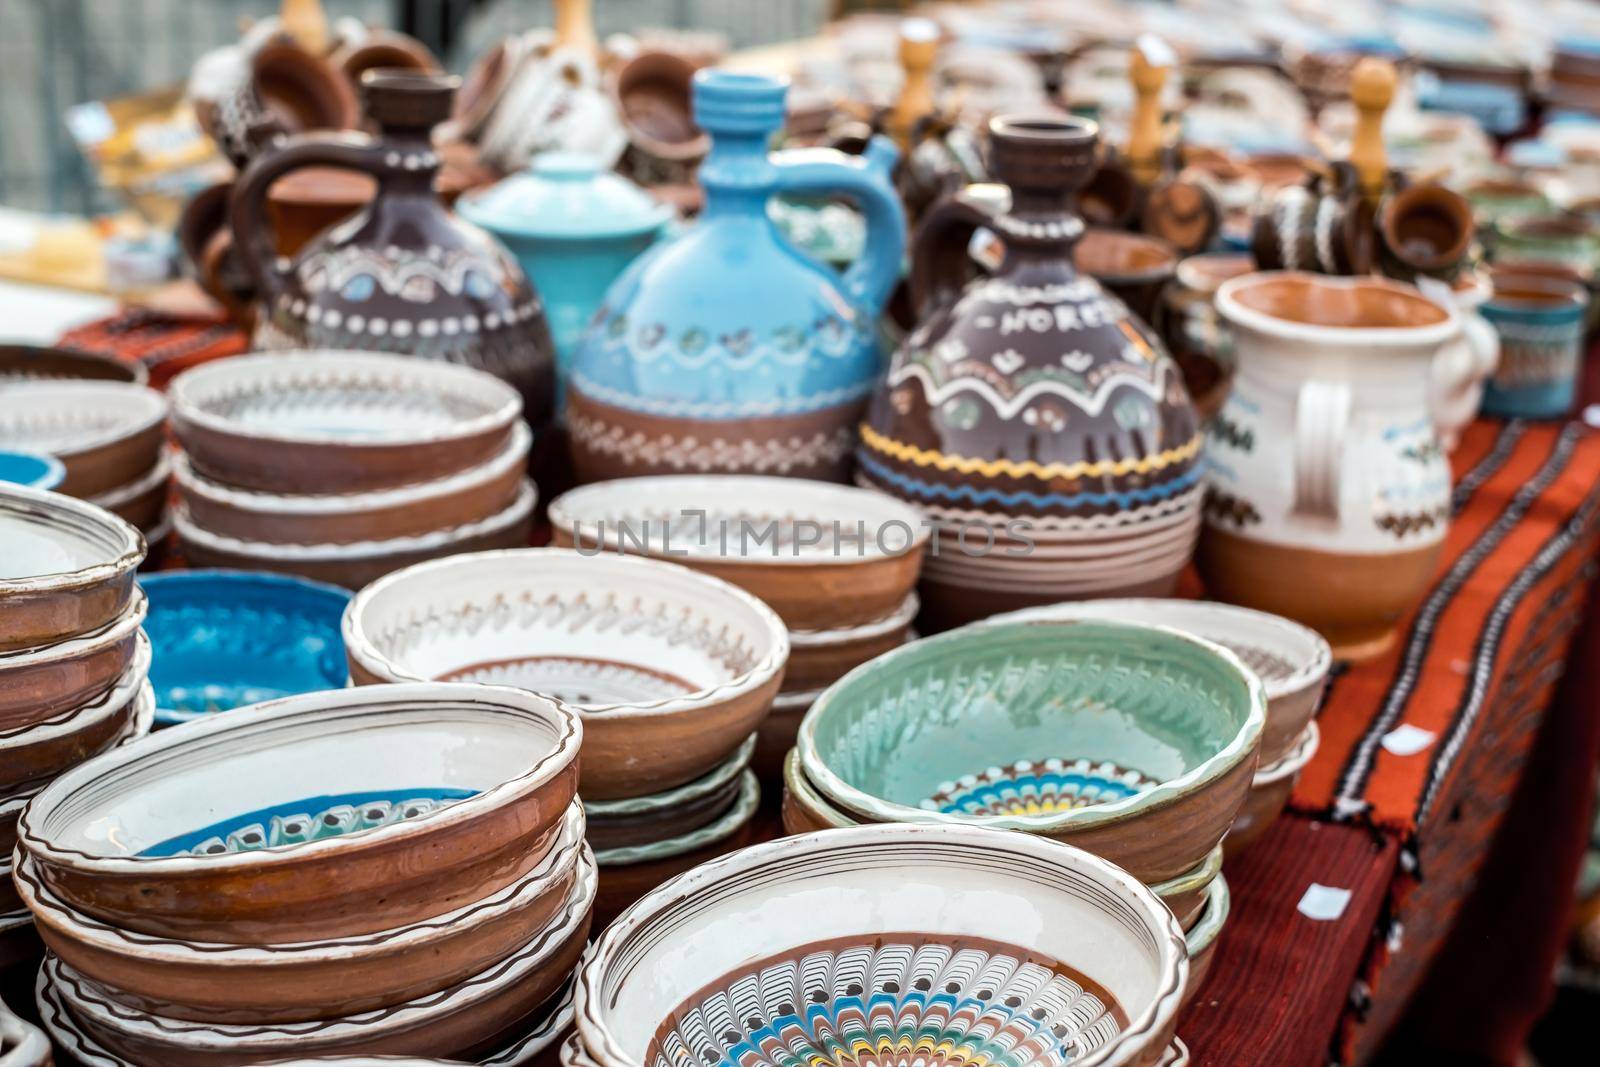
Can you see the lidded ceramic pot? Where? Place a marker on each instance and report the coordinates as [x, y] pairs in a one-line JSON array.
[[727, 349], [1030, 413], [1329, 491], [404, 275], [574, 229]]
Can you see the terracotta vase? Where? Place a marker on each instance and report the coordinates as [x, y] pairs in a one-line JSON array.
[[1329, 491], [1039, 423], [404, 275]]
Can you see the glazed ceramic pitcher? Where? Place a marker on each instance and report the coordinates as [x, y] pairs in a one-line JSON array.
[[727, 349], [1329, 492]]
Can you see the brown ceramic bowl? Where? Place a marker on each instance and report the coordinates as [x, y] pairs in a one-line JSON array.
[[1201, 938], [206, 982], [1426, 229], [143, 501], [653, 95], [67, 568], [338, 422], [29, 363], [1270, 791], [383, 49], [318, 816], [107, 434], [818, 658], [41, 683], [302, 91], [824, 556], [647, 820]]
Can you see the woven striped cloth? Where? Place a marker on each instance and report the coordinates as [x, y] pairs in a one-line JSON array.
[[164, 344]]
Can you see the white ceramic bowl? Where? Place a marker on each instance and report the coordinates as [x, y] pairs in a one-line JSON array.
[[104, 433]]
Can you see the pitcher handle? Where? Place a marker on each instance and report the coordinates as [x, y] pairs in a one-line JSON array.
[[252, 235], [865, 180], [1322, 415], [941, 259]]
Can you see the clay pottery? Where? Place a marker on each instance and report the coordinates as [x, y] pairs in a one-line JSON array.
[[21, 1044], [919, 894], [1270, 791], [1182, 212], [477, 1015], [405, 276], [301, 91], [40, 683], [1292, 661], [1568, 239], [30, 755], [338, 422], [305, 202], [555, 100], [1539, 320], [106, 434], [1201, 940], [1326, 227], [722, 350], [31, 470], [670, 670], [823, 556], [1111, 197], [655, 98], [1426, 229], [1465, 364], [1132, 266], [485, 83], [143, 501], [31, 362], [1195, 334], [1029, 402], [628, 873], [818, 658], [309, 980], [573, 229], [378, 49], [633, 822], [775, 739], [949, 730], [329, 814], [354, 564], [67, 569], [1495, 198], [1340, 530]]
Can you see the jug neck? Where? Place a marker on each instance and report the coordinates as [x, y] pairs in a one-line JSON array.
[[737, 174]]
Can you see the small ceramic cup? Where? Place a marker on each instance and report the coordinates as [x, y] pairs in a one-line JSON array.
[[1569, 239], [1540, 321], [1425, 229]]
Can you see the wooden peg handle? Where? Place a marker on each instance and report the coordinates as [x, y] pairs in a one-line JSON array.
[[1144, 131], [919, 47], [1372, 85], [575, 27]]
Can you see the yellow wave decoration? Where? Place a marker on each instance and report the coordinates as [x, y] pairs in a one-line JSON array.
[[992, 468]]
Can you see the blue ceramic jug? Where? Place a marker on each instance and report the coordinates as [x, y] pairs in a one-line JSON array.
[[727, 349]]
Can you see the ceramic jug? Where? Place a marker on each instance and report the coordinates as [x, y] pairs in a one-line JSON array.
[[404, 274], [1329, 491], [727, 349]]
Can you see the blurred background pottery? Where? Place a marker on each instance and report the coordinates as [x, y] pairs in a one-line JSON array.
[[1270, 791], [1540, 323], [33, 362], [106, 434], [654, 92], [1201, 940], [31, 470], [1341, 530], [725, 349], [1463, 365], [1200, 342], [1425, 229], [1134, 267]]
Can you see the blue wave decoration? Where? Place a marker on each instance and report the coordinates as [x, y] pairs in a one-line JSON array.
[[969, 494]]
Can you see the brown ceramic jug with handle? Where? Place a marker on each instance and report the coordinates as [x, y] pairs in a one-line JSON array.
[[404, 274]]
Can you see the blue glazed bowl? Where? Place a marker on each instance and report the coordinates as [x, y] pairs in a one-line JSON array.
[[224, 639], [31, 469]]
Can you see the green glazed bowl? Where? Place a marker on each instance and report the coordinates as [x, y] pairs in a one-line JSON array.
[[1137, 743]]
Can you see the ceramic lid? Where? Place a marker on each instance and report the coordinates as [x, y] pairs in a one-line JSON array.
[[565, 196]]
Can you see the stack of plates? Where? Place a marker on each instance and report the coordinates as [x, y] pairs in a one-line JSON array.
[[395, 870], [73, 660], [838, 564], [342, 466], [109, 436], [671, 671]]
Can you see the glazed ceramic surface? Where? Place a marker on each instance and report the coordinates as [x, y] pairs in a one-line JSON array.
[[225, 639], [636, 821], [405, 275], [105, 434], [746, 799], [1329, 491], [31, 470], [823, 556], [22, 363], [1135, 742], [1463, 365], [40, 683], [337, 422], [725, 349], [67, 568], [21, 1043], [306, 817], [818, 658], [1201, 939], [1540, 324], [671, 670], [1270, 791], [911, 918]]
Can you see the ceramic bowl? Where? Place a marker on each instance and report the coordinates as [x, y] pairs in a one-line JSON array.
[[224, 639], [1291, 660], [824, 556], [1201, 940], [41, 683], [776, 737], [208, 982], [470, 496], [67, 569], [357, 563], [1136, 743], [338, 422], [670, 669], [32, 754], [638, 821], [106, 434], [21, 1044], [32, 363], [1270, 791], [317, 816], [142, 501], [474, 1017], [818, 658], [31, 470], [945, 926]]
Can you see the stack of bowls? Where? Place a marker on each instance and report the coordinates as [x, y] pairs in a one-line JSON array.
[[108, 436], [31, 470], [342, 466], [1136, 743], [895, 944], [838, 564], [671, 671], [73, 660], [21, 1044], [396, 870]]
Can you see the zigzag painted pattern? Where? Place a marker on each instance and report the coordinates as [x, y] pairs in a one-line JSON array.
[[971, 494], [1009, 468]]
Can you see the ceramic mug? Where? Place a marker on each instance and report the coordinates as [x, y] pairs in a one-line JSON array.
[[1495, 198], [1540, 321], [1568, 239], [1425, 229]]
